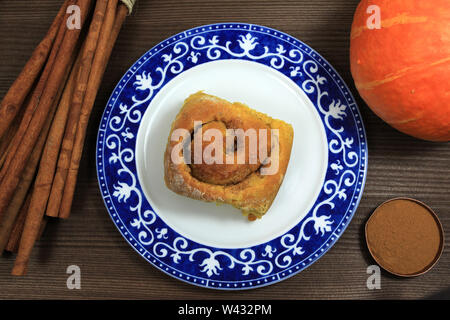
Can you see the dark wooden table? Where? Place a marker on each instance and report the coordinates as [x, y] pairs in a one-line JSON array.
[[398, 166]]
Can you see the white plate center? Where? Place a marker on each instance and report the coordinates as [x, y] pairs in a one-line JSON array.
[[265, 90]]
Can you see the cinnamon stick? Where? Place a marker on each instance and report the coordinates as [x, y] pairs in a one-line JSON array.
[[18, 91], [10, 181], [50, 154], [5, 144], [32, 223], [28, 174], [122, 13], [16, 232], [33, 101], [39, 148], [20, 194], [113, 23], [71, 127]]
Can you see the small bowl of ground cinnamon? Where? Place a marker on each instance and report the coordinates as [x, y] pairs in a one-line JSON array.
[[405, 237]]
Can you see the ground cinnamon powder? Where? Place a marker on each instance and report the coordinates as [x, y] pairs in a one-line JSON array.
[[404, 237]]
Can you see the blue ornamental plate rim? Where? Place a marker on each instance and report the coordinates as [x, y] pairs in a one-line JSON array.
[[212, 269]]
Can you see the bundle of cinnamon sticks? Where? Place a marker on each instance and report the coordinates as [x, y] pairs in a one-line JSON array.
[[44, 117]]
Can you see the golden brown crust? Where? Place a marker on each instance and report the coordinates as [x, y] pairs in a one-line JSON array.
[[254, 193]]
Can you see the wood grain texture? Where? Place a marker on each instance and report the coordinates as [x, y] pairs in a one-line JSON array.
[[398, 166]]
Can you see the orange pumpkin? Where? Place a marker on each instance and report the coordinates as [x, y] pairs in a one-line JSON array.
[[402, 70]]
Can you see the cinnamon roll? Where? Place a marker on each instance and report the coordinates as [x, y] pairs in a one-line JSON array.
[[225, 152]]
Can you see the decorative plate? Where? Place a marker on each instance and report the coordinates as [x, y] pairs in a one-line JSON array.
[[215, 246]]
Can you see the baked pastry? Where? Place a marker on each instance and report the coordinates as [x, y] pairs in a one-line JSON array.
[[247, 177]]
